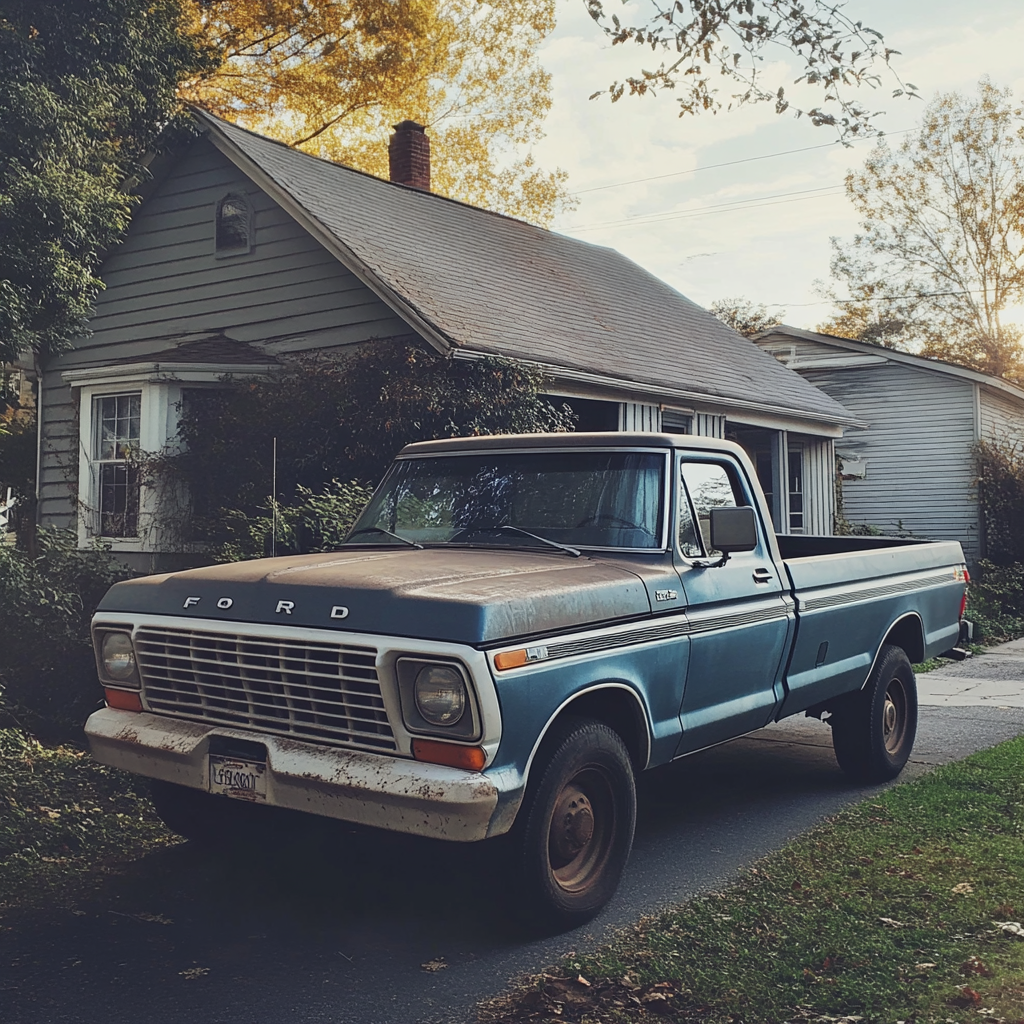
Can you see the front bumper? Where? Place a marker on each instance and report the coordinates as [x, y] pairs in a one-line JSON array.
[[392, 793]]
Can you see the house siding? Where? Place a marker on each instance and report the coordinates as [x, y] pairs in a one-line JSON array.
[[166, 283], [917, 449], [1002, 419]]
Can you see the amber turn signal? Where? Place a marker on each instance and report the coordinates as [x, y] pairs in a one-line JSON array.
[[123, 700], [470, 758], [510, 659]]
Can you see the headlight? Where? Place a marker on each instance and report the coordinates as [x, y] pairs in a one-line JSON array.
[[118, 656], [440, 693]]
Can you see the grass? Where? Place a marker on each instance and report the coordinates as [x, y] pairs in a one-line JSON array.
[[886, 913], [64, 819]]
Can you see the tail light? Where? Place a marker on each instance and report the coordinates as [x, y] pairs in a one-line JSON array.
[[963, 600]]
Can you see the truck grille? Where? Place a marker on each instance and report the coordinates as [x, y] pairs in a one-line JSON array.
[[325, 692]]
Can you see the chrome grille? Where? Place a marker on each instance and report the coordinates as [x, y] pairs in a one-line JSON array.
[[324, 692]]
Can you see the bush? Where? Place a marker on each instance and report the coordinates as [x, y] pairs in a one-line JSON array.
[[995, 602], [48, 679], [339, 419], [1001, 495], [315, 522]]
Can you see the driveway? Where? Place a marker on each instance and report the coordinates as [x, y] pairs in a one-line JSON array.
[[340, 926]]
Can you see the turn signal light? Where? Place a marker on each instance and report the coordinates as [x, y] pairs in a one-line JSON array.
[[510, 659], [470, 758], [123, 700]]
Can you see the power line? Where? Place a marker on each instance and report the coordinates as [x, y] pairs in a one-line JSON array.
[[728, 163], [735, 206]]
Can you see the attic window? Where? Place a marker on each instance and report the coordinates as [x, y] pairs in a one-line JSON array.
[[234, 225]]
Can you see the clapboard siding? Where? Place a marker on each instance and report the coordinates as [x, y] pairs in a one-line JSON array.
[[917, 449], [166, 282], [1002, 419], [166, 279]]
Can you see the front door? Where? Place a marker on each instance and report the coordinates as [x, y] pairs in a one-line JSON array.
[[739, 617]]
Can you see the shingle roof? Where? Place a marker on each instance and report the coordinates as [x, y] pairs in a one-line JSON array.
[[493, 284]]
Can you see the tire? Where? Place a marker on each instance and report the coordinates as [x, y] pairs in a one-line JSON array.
[[200, 817], [873, 731], [574, 832]]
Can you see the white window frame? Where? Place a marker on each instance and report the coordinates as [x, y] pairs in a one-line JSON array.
[[160, 386]]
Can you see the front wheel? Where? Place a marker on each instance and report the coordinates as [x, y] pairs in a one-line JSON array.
[[573, 835], [873, 731]]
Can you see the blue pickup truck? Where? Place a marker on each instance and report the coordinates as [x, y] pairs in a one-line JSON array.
[[515, 627]]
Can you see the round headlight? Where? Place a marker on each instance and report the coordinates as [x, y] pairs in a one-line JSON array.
[[440, 694], [118, 656]]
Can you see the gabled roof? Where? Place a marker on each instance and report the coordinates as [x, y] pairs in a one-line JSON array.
[[865, 348], [473, 280]]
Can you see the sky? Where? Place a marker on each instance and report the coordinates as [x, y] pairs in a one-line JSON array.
[[774, 247]]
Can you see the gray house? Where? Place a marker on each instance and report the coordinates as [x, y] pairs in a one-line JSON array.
[[912, 467], [245, 252]]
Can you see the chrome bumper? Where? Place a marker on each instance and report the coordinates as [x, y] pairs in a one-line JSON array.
[[392, 793]]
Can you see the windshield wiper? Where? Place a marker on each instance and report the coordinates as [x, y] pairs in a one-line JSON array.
[[575, 552], [388, 533]]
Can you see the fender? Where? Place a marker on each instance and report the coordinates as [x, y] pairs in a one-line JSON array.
[[582, 693], [885, 636]]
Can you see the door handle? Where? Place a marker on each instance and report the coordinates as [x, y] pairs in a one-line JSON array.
[[761, 575]]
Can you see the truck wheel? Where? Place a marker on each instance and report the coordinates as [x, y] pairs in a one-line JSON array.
[[201, 818], [573, 834], [873, 731]]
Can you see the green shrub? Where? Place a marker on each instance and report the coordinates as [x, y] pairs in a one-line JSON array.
[[995, 602], [48, 679], [314, 522], [1000, 483]]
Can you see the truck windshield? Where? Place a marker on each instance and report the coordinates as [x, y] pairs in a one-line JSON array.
[[584, 498]]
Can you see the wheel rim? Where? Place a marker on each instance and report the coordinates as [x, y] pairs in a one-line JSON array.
[[581, 829], [894, 716]]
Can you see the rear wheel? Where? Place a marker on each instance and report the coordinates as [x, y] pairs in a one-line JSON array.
[[873, 731], [573, 835]]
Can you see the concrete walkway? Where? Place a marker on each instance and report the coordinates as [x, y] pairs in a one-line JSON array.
[[993, 679]]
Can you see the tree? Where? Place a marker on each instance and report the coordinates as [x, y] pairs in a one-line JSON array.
[[331, 77], [340, 419], [938, 259], [85, 88], [726, 40], [746, 317]]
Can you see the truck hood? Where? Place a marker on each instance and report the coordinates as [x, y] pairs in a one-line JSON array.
[[455, 594]]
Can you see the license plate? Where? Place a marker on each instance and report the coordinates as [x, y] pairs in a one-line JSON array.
[[243, 780]]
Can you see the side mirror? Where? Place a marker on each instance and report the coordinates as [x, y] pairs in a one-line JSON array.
[[733, 529]]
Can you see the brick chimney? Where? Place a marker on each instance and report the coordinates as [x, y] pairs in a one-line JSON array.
[[409, 155]]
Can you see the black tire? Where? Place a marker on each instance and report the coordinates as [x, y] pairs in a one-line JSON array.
[[574, 832], [873, 731], [200, 817]]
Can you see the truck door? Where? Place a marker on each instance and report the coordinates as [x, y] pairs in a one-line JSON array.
[[739, 614]]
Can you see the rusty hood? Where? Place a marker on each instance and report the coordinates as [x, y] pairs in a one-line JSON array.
[[455, 594]]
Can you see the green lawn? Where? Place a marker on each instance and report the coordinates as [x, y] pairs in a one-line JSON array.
[[889, 912]]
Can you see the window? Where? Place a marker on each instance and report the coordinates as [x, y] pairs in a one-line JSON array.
[[796, 490], [710, 485], [234, 225], [117, 419]]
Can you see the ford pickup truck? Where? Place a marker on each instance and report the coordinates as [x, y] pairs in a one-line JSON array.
[[513, 628]]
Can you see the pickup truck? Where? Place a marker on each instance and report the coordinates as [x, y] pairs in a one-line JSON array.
[[514, 627]]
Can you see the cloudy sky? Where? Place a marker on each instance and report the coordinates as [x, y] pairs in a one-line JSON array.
[[772, 244]]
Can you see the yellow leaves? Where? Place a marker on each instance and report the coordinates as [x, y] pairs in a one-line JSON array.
[[332, 77]]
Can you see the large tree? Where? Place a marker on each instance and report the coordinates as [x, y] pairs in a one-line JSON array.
[[726, 41], [85, 88], [939, 258], [333, 76]]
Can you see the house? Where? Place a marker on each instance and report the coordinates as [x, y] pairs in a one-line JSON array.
[[245, 252], [912, 468]]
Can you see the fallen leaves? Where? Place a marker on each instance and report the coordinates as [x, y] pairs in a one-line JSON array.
[[437, 964], [191, 973], [962, 889], [1010, 928]]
